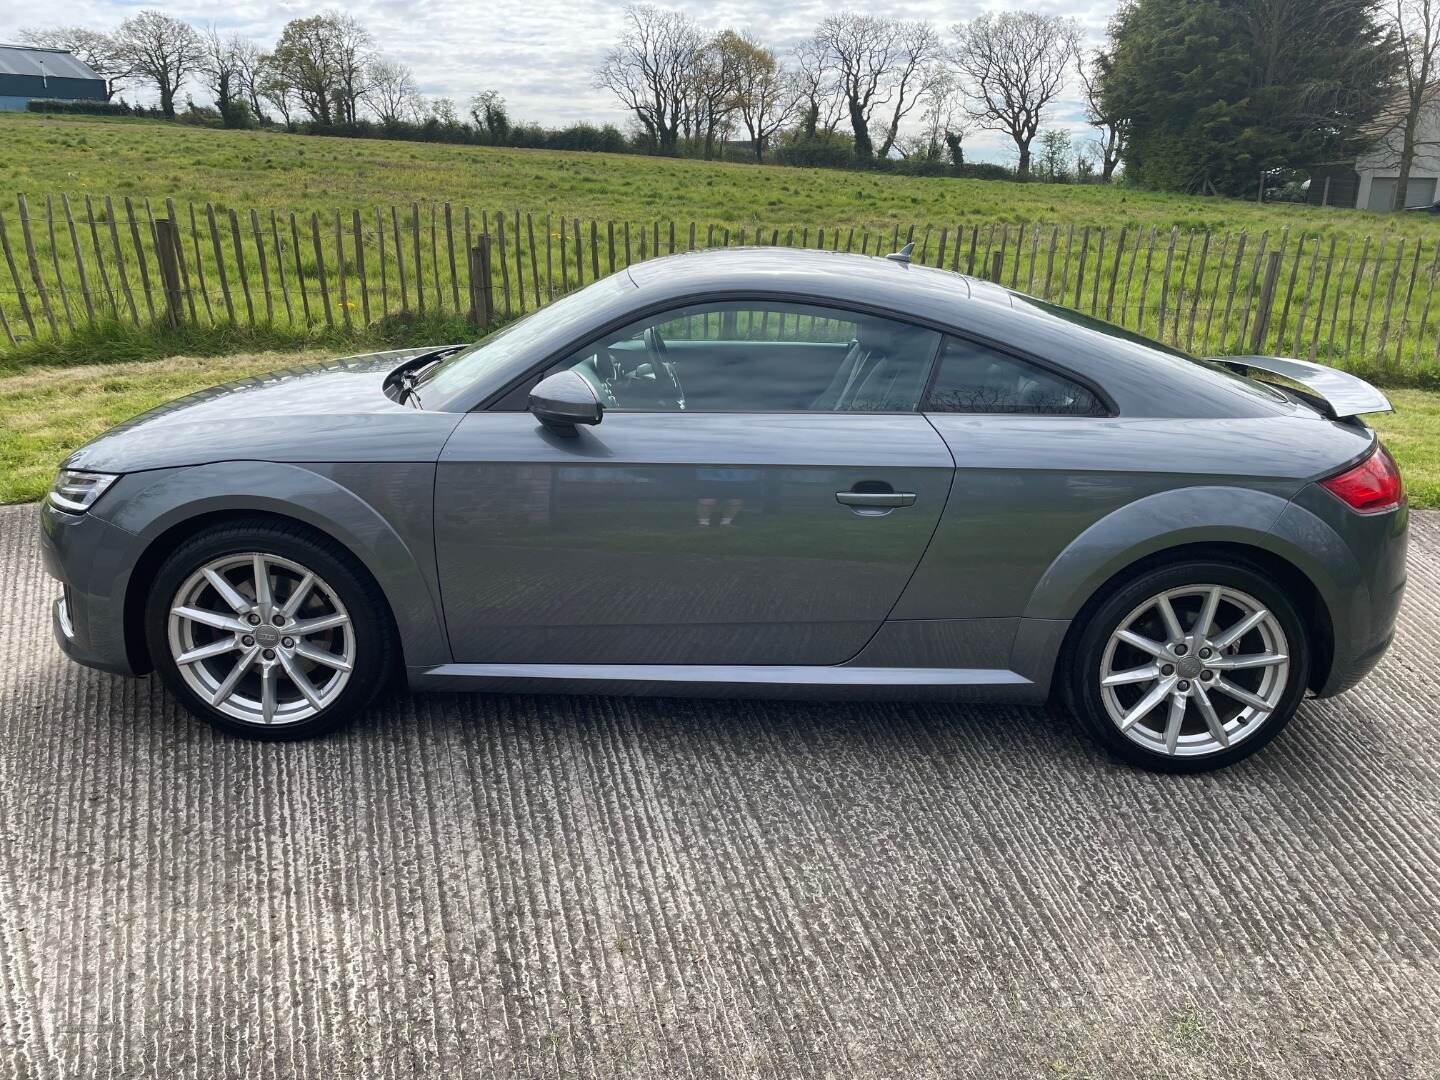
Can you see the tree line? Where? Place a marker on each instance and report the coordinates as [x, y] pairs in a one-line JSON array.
[[861, 87], [863, 90], [1210, 96]]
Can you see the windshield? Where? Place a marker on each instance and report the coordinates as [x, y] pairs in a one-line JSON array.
[[523, 339]]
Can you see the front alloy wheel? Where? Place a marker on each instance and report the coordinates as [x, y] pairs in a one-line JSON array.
[[261, 638], [269, 629], [1190, 667]]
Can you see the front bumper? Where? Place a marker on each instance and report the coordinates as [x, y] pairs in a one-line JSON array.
[[91, 559]]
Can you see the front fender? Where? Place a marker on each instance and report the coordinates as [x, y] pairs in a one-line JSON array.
[[1194, 515], [382, 513]]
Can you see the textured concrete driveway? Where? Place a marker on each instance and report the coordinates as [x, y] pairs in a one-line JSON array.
[[479, 886]]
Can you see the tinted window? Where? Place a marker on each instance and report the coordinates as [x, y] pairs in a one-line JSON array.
[[976, 379], [760, 357]]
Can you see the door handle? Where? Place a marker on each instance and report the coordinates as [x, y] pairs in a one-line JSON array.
[[874, 499]]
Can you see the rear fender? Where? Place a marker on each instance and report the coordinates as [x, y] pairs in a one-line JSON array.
[[1183, 516]]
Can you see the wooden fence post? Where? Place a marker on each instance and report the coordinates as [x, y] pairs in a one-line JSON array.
[[1267, 300], [35, 274], [482, 297], [167, 248]]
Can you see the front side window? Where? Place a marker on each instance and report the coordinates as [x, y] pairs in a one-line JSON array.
[[977, 379], [760, 356]]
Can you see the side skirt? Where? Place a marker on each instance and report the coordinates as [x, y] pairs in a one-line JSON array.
[[770, 681]]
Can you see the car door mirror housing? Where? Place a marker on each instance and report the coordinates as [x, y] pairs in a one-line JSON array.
[[562, 400]]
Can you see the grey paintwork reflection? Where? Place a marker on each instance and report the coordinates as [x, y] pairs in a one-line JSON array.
[[675, 538], [714, 541], [335, 411], [1343, 394]]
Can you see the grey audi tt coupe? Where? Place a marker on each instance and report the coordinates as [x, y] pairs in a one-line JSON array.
[[753, 471]]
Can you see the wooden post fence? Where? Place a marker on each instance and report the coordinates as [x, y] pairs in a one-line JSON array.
[[167, 254], [1267, 301], [203, 264], [482, 296]]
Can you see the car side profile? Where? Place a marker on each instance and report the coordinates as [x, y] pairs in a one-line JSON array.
[[753, 472]]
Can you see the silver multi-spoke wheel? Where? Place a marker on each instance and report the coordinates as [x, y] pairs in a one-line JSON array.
[[1194, 670], [261, 638]]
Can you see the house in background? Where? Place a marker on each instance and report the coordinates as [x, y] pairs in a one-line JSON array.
[[27, 73], [1368, 182]]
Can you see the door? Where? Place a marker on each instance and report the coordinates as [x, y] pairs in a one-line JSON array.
[[759, 492]]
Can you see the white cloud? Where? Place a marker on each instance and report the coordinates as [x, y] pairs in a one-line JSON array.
[[540, 55]]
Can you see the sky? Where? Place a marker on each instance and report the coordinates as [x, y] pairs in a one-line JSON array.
[[540, 54]]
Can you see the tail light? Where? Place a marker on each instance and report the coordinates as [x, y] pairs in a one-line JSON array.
[[1371, 487]]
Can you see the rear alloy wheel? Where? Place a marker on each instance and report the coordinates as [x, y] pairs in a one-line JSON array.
[[268, 632], [1190, 667]]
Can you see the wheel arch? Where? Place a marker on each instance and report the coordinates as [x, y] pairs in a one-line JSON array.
[[1233, 524], [1314, 612], [294, 496]]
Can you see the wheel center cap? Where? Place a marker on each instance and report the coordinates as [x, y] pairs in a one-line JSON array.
[[266, 636], [1190, 666]]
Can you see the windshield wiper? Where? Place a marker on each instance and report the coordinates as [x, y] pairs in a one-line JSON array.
[[408, 393], [410, 378]]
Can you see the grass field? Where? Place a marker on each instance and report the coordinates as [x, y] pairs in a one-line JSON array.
[[116, 156], [49, 411], [1354, 289]]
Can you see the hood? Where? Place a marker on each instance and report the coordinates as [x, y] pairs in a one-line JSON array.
[[334, 411]]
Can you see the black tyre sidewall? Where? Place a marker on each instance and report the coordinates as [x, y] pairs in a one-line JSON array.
[[1082, 679], [374, 643]]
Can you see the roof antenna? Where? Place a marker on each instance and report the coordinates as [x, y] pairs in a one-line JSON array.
[[903, 255]]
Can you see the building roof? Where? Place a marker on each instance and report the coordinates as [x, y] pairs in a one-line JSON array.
[[52, 63]]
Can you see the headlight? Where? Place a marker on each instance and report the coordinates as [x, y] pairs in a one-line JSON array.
[[75, 492]]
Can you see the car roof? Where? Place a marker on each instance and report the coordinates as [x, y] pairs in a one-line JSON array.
[[909, 288]]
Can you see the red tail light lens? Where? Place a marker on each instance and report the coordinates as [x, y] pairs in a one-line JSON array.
[[1372, 486]]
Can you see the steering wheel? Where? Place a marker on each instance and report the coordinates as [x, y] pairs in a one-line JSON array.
[[665, 374]]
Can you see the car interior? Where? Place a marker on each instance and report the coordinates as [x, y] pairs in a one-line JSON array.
[[788, 358], [800, 358]]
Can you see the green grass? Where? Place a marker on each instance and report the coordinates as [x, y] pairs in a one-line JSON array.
[[49, 411], [1370, 309], [99, 156], [114, 342], [1412, 434]]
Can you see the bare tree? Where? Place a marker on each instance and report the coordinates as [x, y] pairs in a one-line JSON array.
[[393, 94], [1111, 129], [816, 88], [354, 53], [916, 67], [943, 123], [277, 90], [161, 50], [94, 49], [764, 96], [252, 68], [1408, 122], [652, 70], [711, 100], [859, 48], [219, 71], [1016, 63]]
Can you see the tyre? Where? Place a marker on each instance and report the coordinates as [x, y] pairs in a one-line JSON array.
[[1189, 667], [268, 630]]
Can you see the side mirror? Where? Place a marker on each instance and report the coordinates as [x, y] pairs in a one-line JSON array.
[[562, 400]]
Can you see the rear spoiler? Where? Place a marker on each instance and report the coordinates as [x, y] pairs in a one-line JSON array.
[[1337, 393]]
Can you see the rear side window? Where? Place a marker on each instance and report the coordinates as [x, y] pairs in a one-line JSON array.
[[977, 379]]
